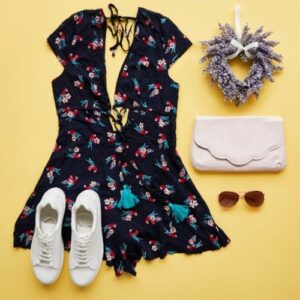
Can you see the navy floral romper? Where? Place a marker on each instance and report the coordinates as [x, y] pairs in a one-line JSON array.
[[150, 206]]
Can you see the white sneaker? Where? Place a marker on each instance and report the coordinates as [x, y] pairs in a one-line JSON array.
[[87, 249], [47, 248]]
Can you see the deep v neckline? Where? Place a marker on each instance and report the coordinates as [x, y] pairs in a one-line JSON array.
[[112, 103]]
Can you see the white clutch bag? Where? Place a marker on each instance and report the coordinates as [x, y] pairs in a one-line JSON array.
[[238, 144]]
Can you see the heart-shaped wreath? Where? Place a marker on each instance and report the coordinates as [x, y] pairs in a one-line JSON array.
[[236, 43]]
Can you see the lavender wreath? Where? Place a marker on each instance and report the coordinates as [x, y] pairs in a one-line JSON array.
[[230, 44]]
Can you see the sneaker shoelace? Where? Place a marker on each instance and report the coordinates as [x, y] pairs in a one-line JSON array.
[[46, 248], [82, 257]]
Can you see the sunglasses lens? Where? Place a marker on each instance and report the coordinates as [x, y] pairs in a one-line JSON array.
[[255, 198], [228, 199]]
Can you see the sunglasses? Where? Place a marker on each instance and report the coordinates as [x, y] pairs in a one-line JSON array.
[[229, 199]]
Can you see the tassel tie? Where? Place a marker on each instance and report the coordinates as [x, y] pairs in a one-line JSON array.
[[179, 211], [129, 200]]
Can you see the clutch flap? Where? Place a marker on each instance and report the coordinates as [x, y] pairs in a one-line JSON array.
[[239, 139]]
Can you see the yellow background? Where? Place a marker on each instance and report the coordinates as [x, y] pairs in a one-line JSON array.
[[262, 261]]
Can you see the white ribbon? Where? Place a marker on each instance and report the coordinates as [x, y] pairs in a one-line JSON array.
[[238, 22], [237, 43], [241, 48]]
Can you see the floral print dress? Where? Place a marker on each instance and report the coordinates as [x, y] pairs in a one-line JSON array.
[[150, 206]]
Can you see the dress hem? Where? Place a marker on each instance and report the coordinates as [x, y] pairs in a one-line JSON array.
[[130, 266]]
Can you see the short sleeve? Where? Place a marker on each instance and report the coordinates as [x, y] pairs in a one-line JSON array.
[[175, 42], [61, 38]]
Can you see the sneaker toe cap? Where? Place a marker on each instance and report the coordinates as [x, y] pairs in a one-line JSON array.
[[82, 276], [45, 275]]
